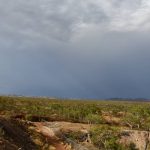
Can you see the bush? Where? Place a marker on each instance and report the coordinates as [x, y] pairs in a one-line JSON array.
[[93, 119], [105, 137]]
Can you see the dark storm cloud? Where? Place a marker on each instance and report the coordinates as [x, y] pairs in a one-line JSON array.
[[70, 48]]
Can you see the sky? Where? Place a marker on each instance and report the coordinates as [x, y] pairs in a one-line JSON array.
[[94, 49]]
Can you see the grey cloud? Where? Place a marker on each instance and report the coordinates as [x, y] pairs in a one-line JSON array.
[[70, 48], [61, 19]]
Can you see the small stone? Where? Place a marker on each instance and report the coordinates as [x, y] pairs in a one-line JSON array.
[[38, 142], [51, 148], [31, 128]]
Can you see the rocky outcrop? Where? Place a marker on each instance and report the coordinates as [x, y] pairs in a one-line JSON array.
[[139, 138]]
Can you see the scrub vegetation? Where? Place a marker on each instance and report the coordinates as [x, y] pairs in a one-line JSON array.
[[109, 122]]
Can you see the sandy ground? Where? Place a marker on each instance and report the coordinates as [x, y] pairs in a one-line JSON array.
[[50, 129]]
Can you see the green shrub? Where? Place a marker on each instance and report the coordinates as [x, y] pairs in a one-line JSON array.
[[105, 137], [93, 119]]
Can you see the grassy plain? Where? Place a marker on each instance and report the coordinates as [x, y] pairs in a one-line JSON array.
[[107, 119]]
